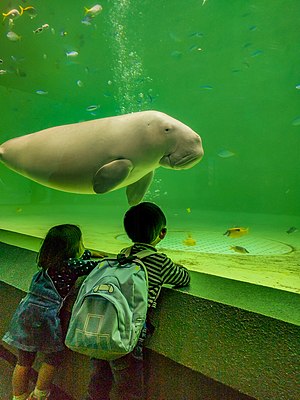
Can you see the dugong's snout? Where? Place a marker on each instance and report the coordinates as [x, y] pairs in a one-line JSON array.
[[185, 155], [188, 161]]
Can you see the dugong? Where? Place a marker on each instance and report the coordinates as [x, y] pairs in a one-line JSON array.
[[105, 154]]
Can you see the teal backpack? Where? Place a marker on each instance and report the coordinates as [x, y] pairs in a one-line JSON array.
[[110, 309]]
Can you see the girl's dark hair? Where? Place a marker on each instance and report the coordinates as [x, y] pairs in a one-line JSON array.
[[144, 222], [61, 243]]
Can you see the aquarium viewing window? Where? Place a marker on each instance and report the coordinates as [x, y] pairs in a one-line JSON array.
[[228, 71]]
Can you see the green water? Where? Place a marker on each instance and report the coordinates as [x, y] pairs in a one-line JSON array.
[[228, 69]]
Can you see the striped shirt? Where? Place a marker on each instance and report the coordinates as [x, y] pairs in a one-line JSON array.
[[161, 270]]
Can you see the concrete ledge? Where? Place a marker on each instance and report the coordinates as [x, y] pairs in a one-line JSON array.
[[255, 354], [73, 375], [228, 333]]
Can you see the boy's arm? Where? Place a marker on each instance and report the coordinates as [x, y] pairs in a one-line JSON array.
[[98, 254], [175, 274]]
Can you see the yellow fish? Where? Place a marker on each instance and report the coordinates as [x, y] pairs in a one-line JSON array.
[[188, 210], [14, 13], [93, 11], [239, 249], [189, 241], [30, 10], [236, 232]]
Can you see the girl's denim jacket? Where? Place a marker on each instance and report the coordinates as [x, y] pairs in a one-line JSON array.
[[36, 325]]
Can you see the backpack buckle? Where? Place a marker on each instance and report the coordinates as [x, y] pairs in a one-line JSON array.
[[122, 259]]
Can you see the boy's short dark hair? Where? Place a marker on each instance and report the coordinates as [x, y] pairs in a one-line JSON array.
[[144, 222]]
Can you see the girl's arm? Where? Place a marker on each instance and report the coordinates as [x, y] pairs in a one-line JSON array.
[[88, 254]]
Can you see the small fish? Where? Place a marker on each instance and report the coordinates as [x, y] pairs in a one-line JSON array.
[[41, 29], [188, 210], [189, 241], [38, 30], [236, 232], [13, 14], [87, 20], [194, 47], [256, 53], [93, 107], [298, 86], [14, 37], [11, 24], [30, 10], [239, 249], [3, 71], [79, 83], [292, 229], [93, 11], [41, 92], [72, 53], [196, 34], [17, 59], [224, 153], [206, 87], [151, 99]]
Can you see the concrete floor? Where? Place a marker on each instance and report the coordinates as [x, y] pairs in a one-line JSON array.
[[6, 371]]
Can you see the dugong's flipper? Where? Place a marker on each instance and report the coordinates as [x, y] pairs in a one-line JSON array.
[[136, 191], [111, 175]]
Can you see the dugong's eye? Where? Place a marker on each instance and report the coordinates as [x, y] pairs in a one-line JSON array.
[[167, 129]]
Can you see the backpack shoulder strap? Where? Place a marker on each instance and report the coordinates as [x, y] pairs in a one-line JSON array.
[[141, 254]]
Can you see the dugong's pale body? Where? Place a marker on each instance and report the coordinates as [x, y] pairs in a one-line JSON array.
[[105, 154]]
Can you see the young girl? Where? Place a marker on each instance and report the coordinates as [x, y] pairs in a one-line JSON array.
[[36, 325]]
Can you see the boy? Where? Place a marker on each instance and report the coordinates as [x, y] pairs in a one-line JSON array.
[[145, 225]]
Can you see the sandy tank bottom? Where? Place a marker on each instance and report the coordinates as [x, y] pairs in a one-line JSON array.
[[195, 239]]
